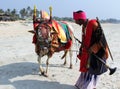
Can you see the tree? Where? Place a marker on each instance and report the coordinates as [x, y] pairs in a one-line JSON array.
[[23, 13], [8, 12], [28, 11], [1, 11], [14, 12]]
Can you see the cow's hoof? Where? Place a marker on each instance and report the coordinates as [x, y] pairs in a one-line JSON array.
[[45, 74], [71, 67], [42, 73]]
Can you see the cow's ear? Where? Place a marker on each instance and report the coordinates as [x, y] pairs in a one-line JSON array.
[[31, 31]]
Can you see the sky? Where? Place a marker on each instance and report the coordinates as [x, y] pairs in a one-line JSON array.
[[102, 9]]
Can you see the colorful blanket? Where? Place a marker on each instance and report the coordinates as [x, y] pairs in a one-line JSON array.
[[59, 27], [60, 31], [66, 30]]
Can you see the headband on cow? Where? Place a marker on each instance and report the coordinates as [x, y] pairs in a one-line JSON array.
[[79, 15]]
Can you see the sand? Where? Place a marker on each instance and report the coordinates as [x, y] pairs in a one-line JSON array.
[[19, 66]]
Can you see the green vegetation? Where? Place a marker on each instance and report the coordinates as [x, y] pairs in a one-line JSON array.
[[110, 20], [27, 13]]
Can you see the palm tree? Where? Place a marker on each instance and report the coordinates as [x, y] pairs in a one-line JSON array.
[[8, 12], [14, 12], [23, 13], [1, 11], [28, 11]]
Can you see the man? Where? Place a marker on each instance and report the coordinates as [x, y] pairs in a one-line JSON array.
[[89, 45]]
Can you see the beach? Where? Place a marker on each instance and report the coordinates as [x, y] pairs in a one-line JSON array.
[[19, 65]]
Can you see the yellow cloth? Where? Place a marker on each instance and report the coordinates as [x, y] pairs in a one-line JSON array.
[[56, 25], [44, 15], [60, 31]]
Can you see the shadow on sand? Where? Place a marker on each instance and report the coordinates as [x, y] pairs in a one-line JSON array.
[[12, 74]]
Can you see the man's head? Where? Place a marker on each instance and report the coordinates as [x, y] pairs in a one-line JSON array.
[[79, 17]]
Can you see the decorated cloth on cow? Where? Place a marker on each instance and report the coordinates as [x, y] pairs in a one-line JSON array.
[[59, 29], [66, 30]]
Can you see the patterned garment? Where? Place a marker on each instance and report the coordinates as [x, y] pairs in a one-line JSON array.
[[86, 81]]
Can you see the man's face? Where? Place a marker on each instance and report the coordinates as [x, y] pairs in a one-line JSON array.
[[80, 21]]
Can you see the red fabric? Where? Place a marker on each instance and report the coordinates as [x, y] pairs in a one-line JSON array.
[[67, 46], [84, 56], [34, 39], [34, 36]]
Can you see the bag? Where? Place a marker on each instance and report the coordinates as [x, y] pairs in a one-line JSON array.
[[97, 35], [96, 67]]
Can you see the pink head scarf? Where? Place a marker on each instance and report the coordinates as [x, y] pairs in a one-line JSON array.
[[79, 15]]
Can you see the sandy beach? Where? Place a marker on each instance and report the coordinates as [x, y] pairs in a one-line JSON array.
[[19, 66]]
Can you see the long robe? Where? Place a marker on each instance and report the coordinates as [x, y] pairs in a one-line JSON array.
[[87, 39]]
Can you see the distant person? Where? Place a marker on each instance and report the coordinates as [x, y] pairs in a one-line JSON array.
[[91, 44]]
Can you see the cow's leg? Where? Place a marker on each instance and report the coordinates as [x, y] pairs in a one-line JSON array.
[[40, 65], [70, 53], [47, 65], [65, 56], [65, 61]]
